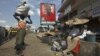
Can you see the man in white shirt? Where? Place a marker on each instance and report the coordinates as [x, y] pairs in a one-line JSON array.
[[85, 32]]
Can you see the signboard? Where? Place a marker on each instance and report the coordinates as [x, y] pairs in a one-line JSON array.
[[47, 12], [47, 23]]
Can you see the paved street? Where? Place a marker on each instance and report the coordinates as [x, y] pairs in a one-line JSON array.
[[34, 47]]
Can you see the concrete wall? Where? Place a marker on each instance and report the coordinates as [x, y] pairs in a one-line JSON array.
[[89, 49]]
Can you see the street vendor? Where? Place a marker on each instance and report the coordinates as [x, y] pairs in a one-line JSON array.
[[20, 14], [77, 33]]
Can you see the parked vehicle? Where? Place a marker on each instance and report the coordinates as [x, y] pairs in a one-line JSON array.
[[3, 35]]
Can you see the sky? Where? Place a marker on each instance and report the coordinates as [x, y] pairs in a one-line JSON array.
[[7, 9]]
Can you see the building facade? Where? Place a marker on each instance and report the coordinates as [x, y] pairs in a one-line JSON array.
[[82, 8], [86, 8]]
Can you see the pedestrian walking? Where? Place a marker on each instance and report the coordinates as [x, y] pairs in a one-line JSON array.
[[20, 14]]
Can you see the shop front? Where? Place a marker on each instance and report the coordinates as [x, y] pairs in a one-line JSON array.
[[91, 10]]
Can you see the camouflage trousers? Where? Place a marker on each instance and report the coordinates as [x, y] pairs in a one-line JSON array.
[[20, 38]]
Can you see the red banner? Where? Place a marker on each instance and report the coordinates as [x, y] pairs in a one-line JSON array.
[[47, 12]]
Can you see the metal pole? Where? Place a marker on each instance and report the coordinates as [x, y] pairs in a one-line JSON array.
[[91, 9]]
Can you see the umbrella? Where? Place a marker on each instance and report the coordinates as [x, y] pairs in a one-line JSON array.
[[77, 21]]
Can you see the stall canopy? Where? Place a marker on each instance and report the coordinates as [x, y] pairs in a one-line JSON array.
[[77, 21]]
